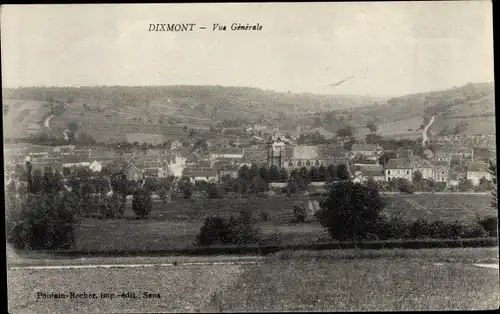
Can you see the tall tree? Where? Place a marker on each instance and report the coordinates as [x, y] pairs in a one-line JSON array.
[[343, 172], [264, 173], [332, 172], [351, 211], [283, 175], [385, 157], [371, 126], [493, 172], [274, 173]]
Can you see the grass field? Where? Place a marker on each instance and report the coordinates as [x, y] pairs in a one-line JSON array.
[[348, 280], [175, 225], [384, 284]]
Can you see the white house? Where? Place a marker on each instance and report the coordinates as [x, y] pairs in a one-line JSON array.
[[369, 150], [95, 166], [176, 165], [477, 171], [74, 161], [227, 153], [399, 168]]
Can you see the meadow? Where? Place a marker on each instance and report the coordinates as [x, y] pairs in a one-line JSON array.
[[361, 284], [174, 225]]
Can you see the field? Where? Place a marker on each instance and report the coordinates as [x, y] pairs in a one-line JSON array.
[[382, 280], [384, 284], [174, 225], [20, 114]]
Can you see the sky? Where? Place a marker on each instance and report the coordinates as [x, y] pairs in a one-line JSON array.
[[388, 48]]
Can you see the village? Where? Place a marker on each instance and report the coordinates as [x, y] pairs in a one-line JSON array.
[[452, 163]]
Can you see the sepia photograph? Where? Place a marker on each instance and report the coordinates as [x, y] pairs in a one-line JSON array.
[[249, 157]]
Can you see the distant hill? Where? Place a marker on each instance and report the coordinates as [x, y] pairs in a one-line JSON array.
[[148, 109], [468, 109]]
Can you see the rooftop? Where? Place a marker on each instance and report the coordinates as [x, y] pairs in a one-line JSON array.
[[399, 163]]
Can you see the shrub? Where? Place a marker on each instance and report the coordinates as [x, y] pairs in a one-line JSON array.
[[243, 229], [299, 214], [214, 191], [490, 225], [41, 221], [240, 230], [215, 230], [264, 216], [142, 203], [351, 210]]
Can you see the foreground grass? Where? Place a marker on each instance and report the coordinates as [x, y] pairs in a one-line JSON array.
[[144, 235], [181, 289], [384, 284]]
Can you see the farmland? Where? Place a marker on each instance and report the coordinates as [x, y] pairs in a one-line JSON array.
[[382, 280], [174, 225]]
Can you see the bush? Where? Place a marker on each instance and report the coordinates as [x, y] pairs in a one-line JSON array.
[[490, 225], [215, 230], [240, 230], [142, 203], [299, 214], [351, 211], [41, 221], [264, 216], [243, 229]]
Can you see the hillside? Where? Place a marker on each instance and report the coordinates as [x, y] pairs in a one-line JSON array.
[[110, 112], [468, 109]]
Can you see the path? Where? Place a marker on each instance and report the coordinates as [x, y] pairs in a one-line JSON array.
[[424, 132], [47, 122]]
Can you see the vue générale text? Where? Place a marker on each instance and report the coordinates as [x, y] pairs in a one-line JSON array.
[[189, 27]]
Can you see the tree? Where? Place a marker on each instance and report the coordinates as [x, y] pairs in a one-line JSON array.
[[244, 173], [214, 191], [313, 176], [493, 172], [343, 172], [417, 176], [72, 127], [385, 157], [264, 173], [274, 174], [258, 185], [331, 172], [254, 171], [283, 175], [351, 211], [322, 173], [371, 126], [347, 131]]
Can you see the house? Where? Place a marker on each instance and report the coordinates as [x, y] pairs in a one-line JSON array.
[[404, 152], [293, 157], [64, 150], [175, 165], [199, 175], [446, 152], [363, 173], [254, 154], [38, 152], [46, 164], [176, 144], [82, 151], [151, 173], [69, 161], [230, 170], [231, 152], [399, 168], [369, 150], [436, 170], [476, 171], [95, 166]]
